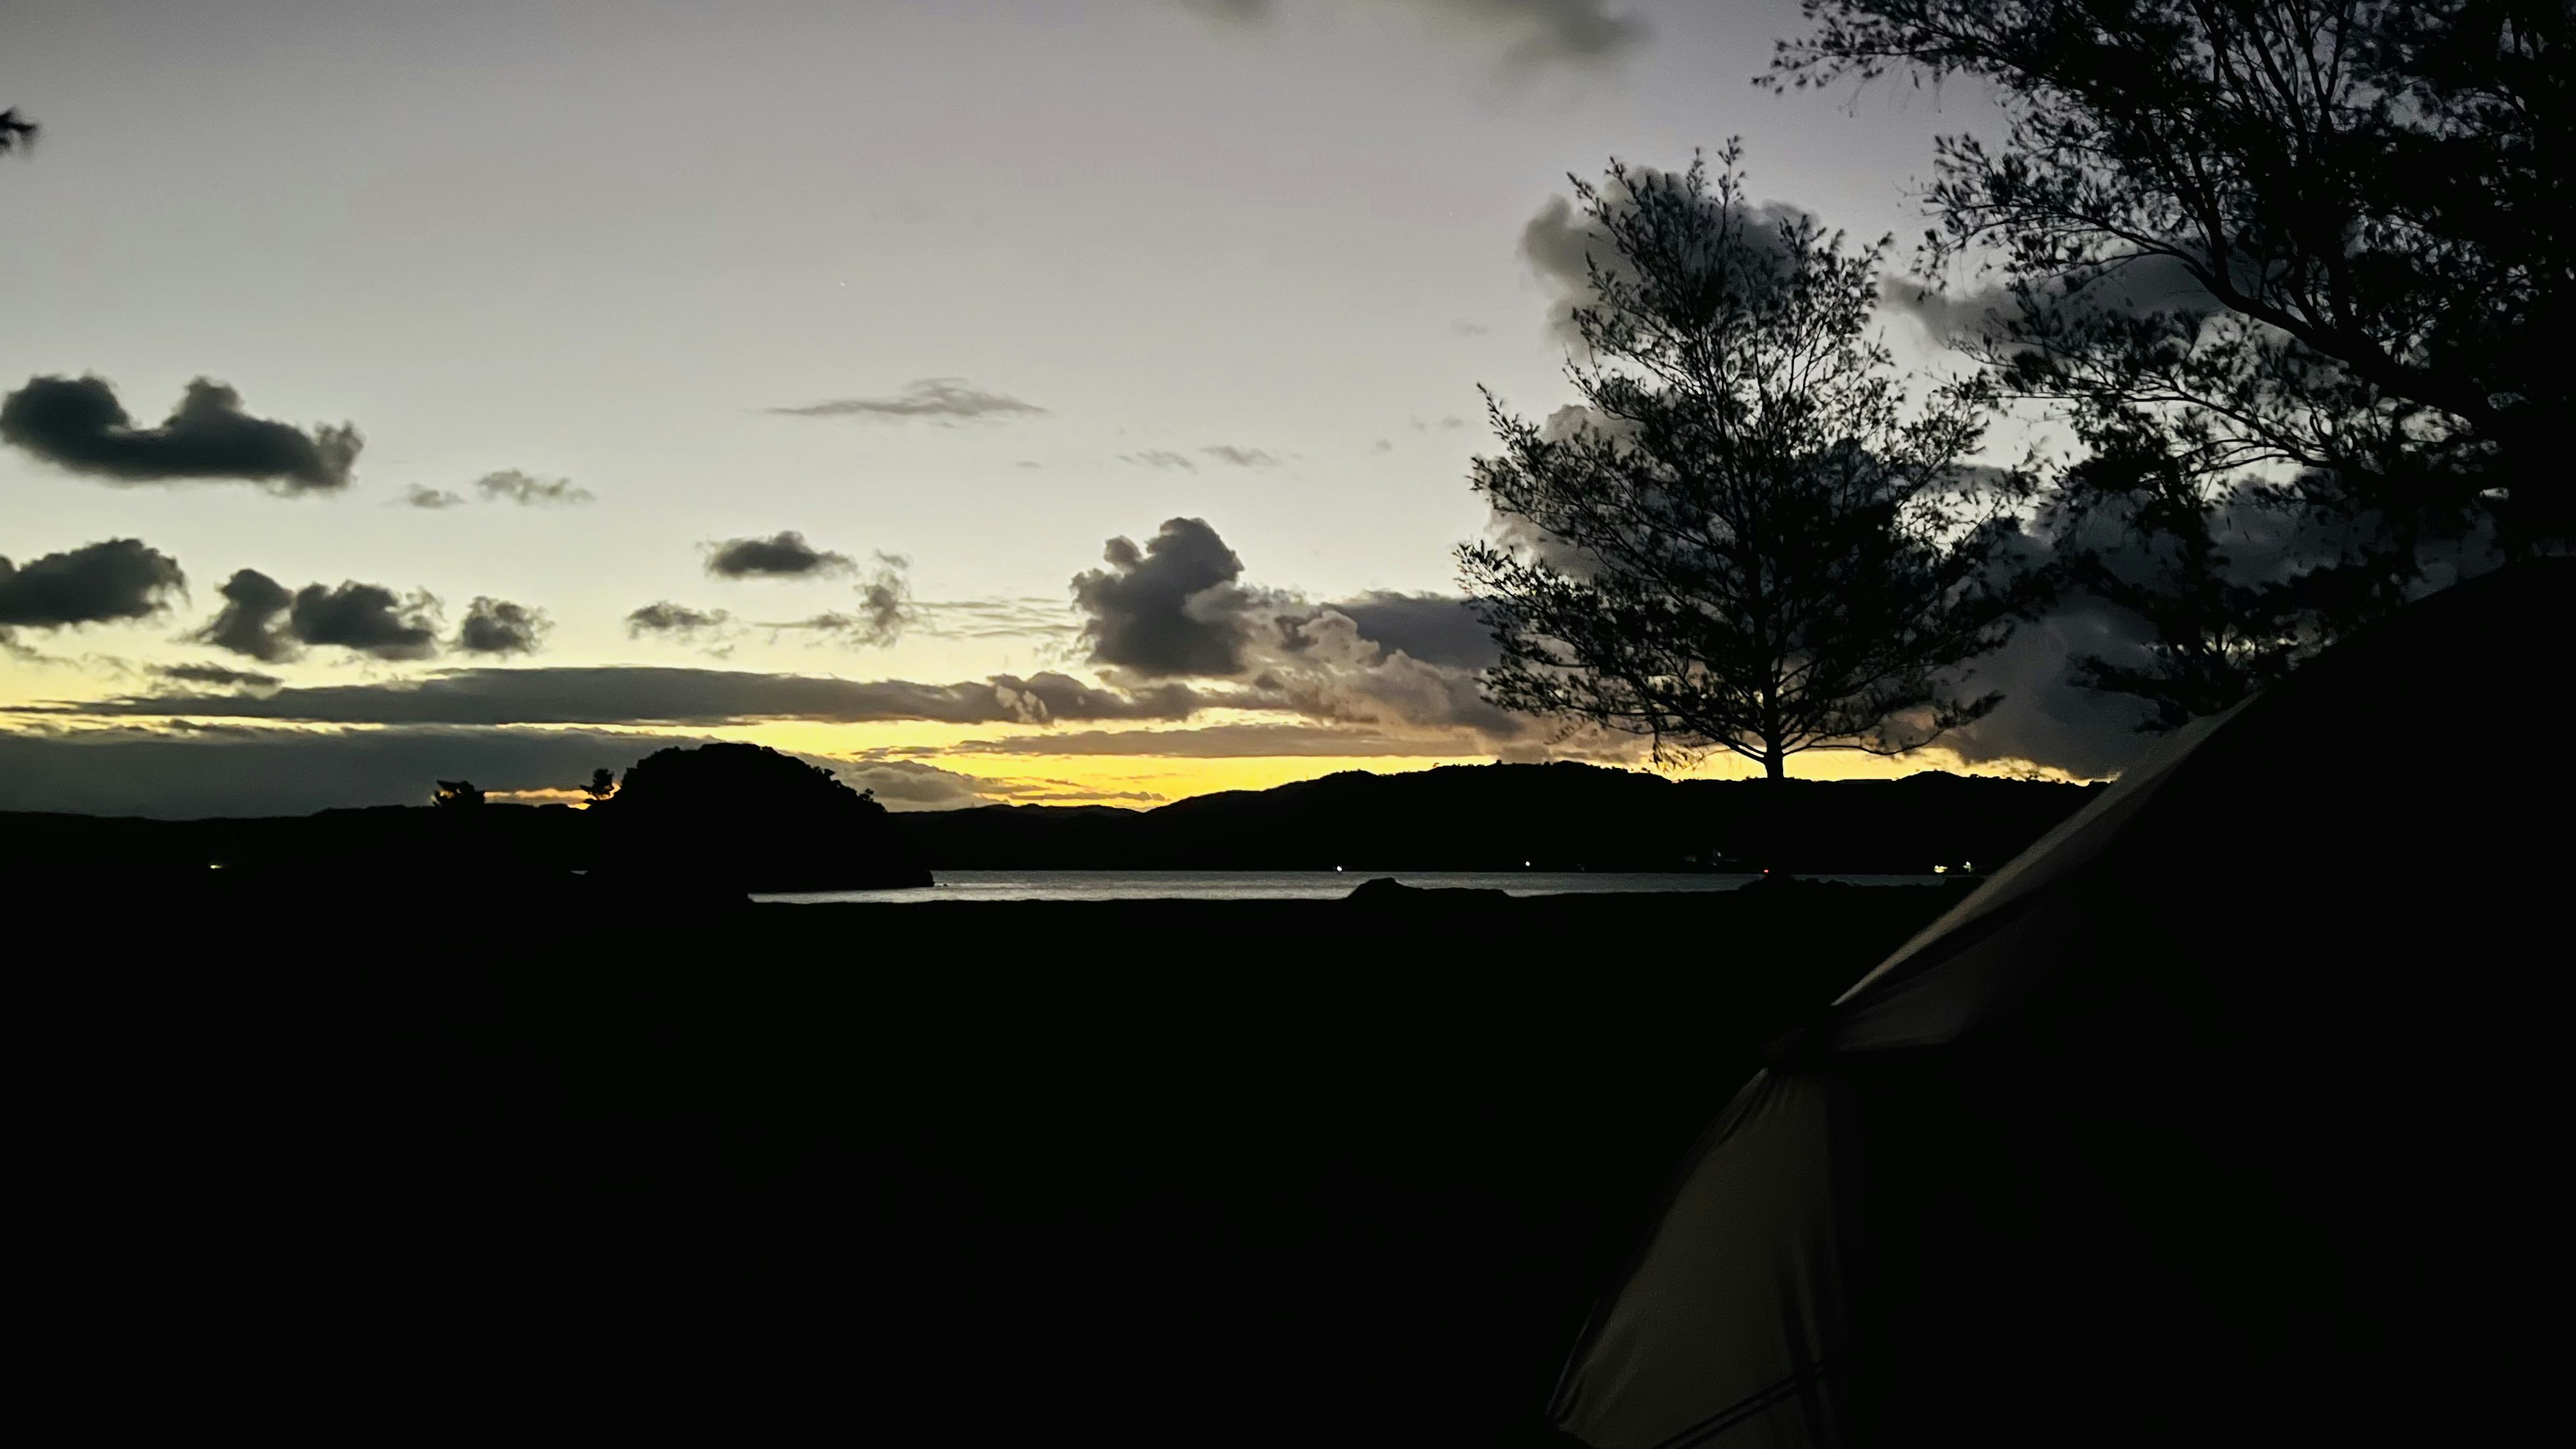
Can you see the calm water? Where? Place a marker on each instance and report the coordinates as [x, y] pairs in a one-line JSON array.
[[1285, 885]]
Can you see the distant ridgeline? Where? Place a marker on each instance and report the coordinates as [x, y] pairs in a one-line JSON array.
[[724, 817], [742, 817], [1560, 816]]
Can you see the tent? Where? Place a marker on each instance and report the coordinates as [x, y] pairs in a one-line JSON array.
[[2227, 1113]]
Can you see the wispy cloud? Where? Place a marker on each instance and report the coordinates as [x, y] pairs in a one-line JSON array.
[[936, 399]]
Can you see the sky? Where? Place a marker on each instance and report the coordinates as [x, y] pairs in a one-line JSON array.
[[1021, 400]]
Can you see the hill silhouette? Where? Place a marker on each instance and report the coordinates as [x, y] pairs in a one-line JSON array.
[[745, 816], [1561, 816], [741, 817]]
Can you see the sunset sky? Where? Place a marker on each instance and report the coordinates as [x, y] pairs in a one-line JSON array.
[[606, 372]]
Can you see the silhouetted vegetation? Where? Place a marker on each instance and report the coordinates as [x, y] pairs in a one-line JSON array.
[[457, 795], [1746, 541], [2297, 273], [600, 787], [747, 817]]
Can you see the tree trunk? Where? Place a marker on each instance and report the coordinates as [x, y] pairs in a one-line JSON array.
[[1775, 763]]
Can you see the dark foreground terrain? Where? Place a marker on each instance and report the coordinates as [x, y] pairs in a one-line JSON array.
[[1128, 1173]]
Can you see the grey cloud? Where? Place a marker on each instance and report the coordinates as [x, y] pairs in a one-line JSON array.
[[218, 675], [885, 610], [2047, 719], [1177, 608], [1161, 458], [366, 618], [117, 578], [249, 622], [1000, 618], [911, 785], [77, 424], [678, 620], [1540, 32], [1234, 457], [2128, 288], [1562, 245], [1441, 629], [939, 399], [615, 695], [188, 772], [497, 626], [1171, 608], [782, 555], [529, 491], [1322, 667], [421, 495]]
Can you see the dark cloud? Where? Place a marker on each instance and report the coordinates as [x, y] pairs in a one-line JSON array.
[[1171, 608], [1234, 457], [885, 610], [1441, 629], [614, 695], [1161, 458], [421, 495], [365, 618], [529, 491], [1177, 607], [497, 626], [1540, 32], [784, 555], [188, 772], [2047, 719], [677, 620], [218, 675], [117, 578], [77, 424], [938, 399], [251, 621], [2130, 288]]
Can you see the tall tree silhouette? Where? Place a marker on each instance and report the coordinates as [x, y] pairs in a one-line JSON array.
[[1749, 541], [2308, 259]]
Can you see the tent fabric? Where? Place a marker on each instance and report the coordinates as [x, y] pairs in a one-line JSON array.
[[2225, 1114]]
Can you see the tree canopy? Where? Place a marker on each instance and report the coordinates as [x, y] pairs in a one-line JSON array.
[[2295, 271], [1746, 540]]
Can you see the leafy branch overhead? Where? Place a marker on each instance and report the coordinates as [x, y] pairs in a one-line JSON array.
[[2296, 272]]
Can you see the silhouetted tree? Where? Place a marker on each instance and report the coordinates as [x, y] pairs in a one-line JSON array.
[[2307, 259], [16, 131], [456, 795], [1749, 542], [603, 784]]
